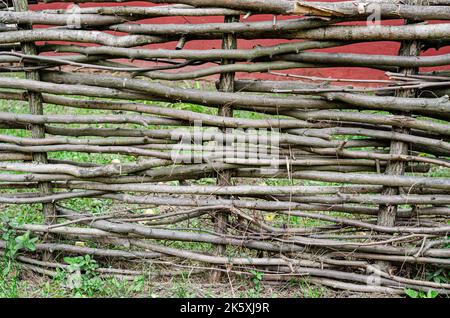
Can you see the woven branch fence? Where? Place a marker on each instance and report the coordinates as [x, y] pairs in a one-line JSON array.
[[359, 193]]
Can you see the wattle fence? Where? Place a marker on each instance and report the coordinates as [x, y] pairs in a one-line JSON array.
[[341, 182]]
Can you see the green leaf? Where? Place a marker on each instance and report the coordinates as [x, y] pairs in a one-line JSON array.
[[432, 294], [412, 293], [73, 260]]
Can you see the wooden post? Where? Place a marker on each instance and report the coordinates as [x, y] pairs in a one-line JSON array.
[[387, 213], [36, 108], [226, 84]]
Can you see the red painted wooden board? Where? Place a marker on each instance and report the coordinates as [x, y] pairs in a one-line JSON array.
[[387, 48]]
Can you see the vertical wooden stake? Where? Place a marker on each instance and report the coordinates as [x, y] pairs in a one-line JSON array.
[[387, 213], [36, 108], [226, 84]]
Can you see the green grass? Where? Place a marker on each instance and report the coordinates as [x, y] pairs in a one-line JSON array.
[[10, 287]]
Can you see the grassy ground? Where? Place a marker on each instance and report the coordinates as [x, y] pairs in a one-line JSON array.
[[29, 284], [17, 282]]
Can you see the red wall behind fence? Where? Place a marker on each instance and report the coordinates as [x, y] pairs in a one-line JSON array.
[[388, 48]]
